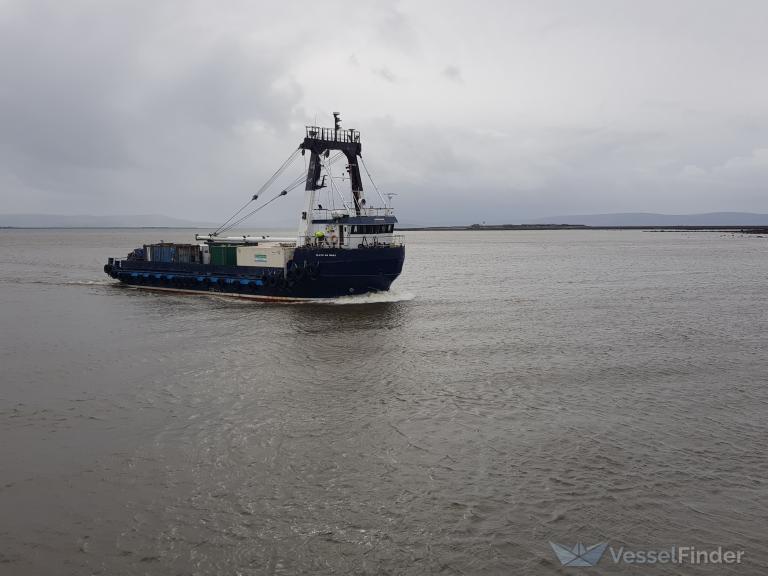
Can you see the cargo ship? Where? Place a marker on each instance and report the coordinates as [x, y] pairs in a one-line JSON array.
[[344, 245]]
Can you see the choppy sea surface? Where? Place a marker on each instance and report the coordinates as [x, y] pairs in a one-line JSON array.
[[515, 388]]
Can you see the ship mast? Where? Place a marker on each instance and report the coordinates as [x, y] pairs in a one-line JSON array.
[[320, 141]]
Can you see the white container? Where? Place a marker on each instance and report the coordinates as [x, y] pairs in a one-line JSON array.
[[205, 251], [264, 255]]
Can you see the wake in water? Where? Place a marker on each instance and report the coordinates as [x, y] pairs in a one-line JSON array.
[[53, 282], [359, 299], [391, 296], [370, 298], [87, 283]]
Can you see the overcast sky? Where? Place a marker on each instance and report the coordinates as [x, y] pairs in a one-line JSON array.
[[469, 111]]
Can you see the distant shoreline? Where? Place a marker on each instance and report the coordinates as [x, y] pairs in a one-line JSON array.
[[502, 227], [199, 229], [470, 228]]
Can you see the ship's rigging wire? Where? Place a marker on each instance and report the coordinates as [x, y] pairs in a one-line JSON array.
[[255, 197], [294, 183], [330, 196], [334, 188], [234, 220], [252, 212], [372, 182]]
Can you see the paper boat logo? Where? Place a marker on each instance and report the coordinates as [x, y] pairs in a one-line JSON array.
[[579, 555]]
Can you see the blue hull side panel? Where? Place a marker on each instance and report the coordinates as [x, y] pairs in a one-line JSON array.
[[313, 273]]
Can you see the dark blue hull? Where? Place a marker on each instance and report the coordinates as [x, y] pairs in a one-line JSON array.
[[313, 273]]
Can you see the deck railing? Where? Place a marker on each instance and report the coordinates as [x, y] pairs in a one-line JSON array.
[[331, 213], [340, 135]]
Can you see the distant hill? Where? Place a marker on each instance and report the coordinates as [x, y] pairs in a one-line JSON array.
[[651, 219], [88, 221], [617, 219]]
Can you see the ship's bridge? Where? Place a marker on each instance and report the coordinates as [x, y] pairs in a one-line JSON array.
[[355, 223], [336, 229], [324, 215]]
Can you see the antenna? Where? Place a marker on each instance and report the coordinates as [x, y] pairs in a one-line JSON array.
[[336, 125]]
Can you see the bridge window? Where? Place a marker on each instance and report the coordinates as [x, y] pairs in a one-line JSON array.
[[373, 228]]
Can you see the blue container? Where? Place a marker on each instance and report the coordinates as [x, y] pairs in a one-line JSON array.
[[162, 253]]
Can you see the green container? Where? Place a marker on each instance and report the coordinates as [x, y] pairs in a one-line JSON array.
[[224, 255]]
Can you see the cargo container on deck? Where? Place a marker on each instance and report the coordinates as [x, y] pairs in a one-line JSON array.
[[223, 255], [264, 255], [169, 252]]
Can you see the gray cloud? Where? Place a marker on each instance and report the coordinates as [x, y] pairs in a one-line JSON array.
[[186, 108], [386, 74], [395, 30], [453, 73]]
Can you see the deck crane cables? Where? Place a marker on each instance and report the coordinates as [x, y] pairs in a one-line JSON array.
[[300, 179], [327, 163], [294, 184], [255, 197], [334, 188], [252, 212], [372, 182]]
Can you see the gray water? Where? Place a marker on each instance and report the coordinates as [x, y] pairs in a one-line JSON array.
[[515, 388]]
